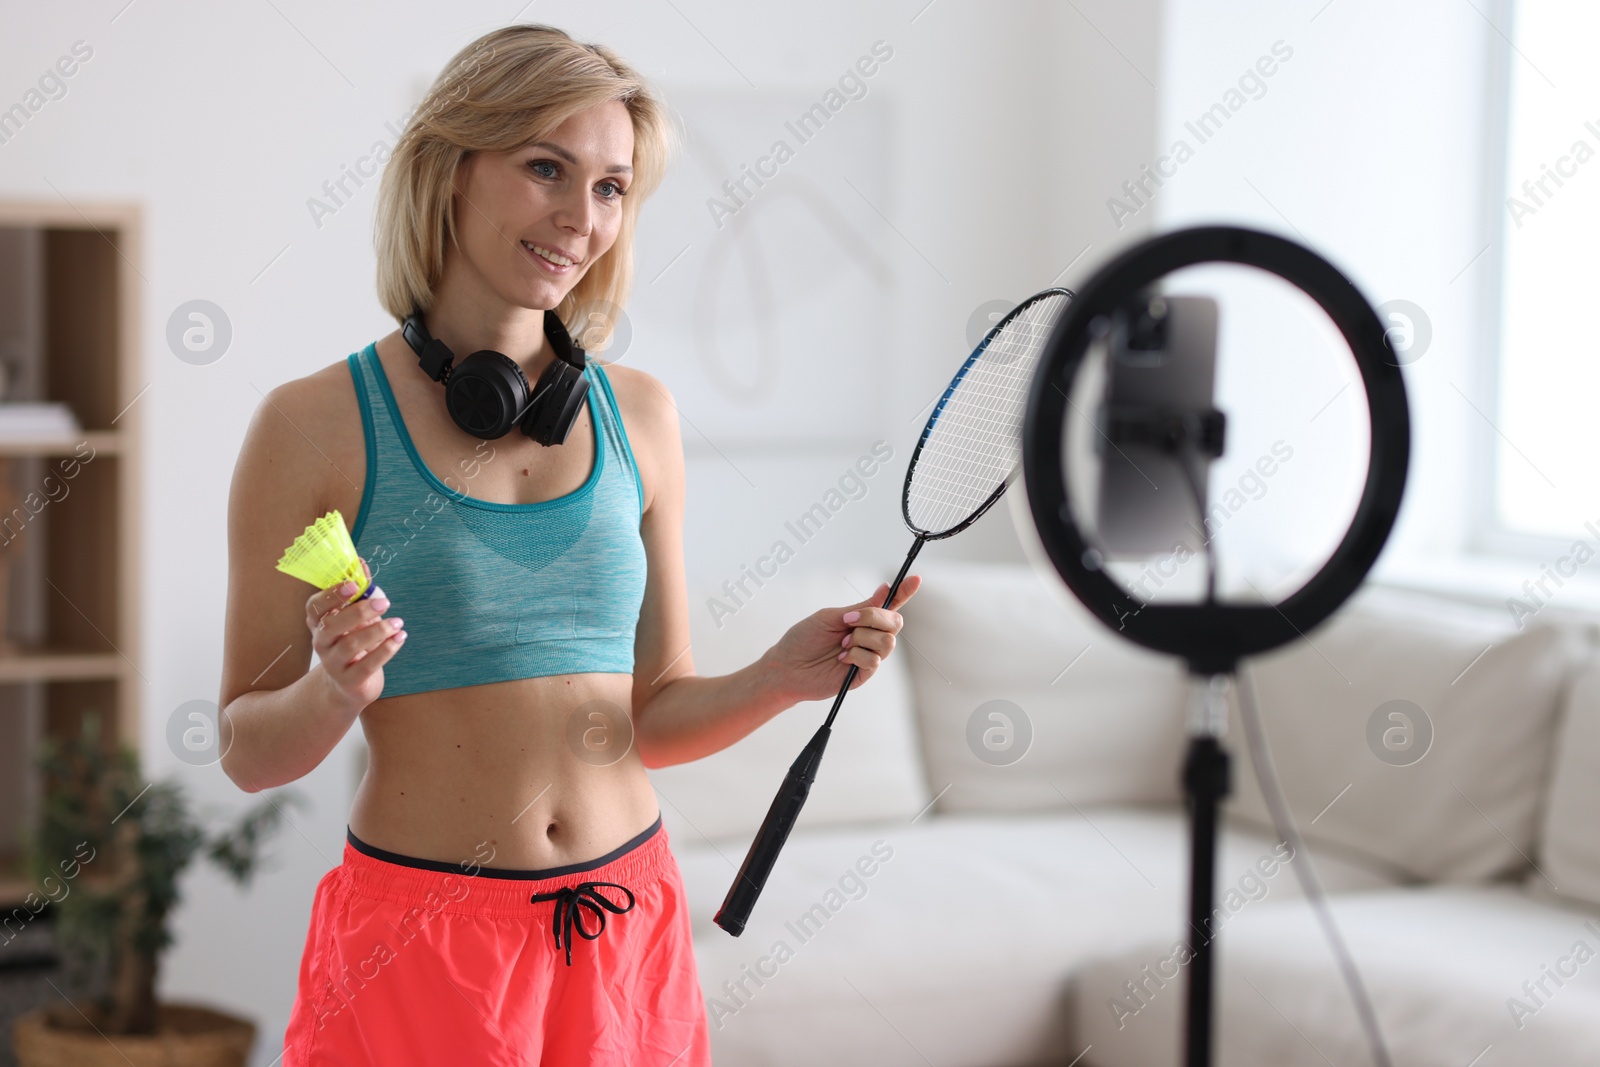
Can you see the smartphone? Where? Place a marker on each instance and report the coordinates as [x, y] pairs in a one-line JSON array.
[[1160, 366]]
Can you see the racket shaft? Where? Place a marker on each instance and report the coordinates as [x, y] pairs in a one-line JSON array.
[[758, 862], [888, 598], [781, 816]]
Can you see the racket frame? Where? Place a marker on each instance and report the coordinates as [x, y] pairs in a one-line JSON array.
[[949, 391]]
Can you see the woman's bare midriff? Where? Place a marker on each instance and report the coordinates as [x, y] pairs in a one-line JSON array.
[[488, 774], [458, 775]]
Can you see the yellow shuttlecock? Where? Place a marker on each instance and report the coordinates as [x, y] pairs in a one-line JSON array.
[[325, 556]]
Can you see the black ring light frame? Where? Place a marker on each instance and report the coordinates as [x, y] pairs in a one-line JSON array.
[[1211, 636]]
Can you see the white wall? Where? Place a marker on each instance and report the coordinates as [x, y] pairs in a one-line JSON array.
[[1007, 122]]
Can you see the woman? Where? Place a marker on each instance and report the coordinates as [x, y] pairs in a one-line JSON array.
[[505, 810]]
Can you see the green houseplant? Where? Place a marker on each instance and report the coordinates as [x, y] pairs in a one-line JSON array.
[[107, 854]]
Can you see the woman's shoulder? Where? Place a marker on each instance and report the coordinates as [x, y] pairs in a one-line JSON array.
[[644, 399], [326, 398], [650, 418], [314, 408], [309, 430]]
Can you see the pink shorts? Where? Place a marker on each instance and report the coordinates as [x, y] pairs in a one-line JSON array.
[[412, 961]]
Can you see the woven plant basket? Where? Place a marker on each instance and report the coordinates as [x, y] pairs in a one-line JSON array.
[[187, 1035]]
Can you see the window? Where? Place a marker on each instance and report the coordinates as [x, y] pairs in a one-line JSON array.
[[1546, 451]]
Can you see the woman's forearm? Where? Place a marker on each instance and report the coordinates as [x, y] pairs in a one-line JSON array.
[[270, 737], [692, 717]]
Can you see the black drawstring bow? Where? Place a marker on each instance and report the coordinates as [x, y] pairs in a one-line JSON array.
[[568, 898]]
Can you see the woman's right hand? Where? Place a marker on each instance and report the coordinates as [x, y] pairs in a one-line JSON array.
[[353, 641]]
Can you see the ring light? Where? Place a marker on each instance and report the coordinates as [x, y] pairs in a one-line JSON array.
[[1212, 636]]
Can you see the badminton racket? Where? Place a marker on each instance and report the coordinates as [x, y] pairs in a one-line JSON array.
[[966, 457]]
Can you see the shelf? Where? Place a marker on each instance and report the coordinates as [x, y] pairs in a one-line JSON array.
[[56, 665], [105, 218], [102, 441], [71, 289], [14, 891]]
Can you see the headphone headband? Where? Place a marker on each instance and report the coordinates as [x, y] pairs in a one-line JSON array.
[[436, 358], [487, 393]]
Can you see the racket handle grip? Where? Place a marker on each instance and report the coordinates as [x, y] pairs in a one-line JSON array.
[[769, 841]]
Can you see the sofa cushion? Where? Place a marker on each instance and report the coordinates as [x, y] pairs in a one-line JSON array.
[[1347, 712], [999, 653], [1445, 967], [1569, 842], [871, 769], [951, 940]]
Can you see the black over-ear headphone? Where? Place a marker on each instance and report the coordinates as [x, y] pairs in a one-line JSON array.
[[487, 393]]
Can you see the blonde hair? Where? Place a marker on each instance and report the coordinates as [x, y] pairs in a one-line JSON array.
[[508, 88]]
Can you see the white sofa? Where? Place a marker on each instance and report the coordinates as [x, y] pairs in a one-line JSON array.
[[932, 907]]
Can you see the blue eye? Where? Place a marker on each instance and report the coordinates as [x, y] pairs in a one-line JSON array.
[[538, 163], [616, 190]]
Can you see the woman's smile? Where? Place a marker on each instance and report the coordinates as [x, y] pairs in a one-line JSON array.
[[551, 259]]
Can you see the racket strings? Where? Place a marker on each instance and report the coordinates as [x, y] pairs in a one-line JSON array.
[[973, 443]]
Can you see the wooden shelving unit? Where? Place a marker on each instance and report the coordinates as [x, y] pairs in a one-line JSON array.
[[70, 290]]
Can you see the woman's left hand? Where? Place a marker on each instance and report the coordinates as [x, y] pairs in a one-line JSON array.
[[810, 660]]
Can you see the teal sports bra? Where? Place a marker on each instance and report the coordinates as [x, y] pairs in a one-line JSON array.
[[492, 592]]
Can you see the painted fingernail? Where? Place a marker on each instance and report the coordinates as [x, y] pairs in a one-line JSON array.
[[396, 623], [846, 641], [852, 616], [380, 604], [347, 589], [842, 655]]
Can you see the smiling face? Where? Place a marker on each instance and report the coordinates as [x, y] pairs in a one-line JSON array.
[[533, 221]]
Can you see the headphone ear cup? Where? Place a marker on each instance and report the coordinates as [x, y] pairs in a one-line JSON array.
[[557, 399], [487, 394]]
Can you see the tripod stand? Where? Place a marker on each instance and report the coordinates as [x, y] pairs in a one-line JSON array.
[[1206, 779]]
